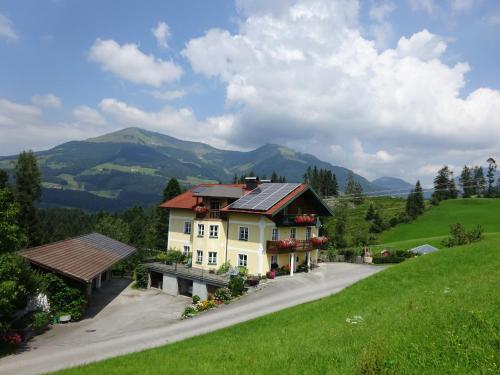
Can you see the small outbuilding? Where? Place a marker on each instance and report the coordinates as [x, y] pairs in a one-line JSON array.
[[86, 259], [423, 249]]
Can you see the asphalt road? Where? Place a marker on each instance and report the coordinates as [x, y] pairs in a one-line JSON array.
[[279, 294]]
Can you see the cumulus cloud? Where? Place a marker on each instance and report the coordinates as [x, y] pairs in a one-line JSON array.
[[168, 94], [162, 34], [382, 28], [7, 29], [19, 123], [47, 101], [462, 5], [423, 5], [88, 115], [128, 62], [302, 74]]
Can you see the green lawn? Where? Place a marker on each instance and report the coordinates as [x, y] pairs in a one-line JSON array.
[[436, 314], [436, 220]]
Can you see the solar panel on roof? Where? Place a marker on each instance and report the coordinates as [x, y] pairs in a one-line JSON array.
[[264, 197]]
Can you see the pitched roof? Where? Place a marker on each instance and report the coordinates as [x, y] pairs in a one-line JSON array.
[[188, 199], [81, 258]]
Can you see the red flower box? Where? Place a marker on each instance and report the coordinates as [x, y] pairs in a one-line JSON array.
[[305, 219], [287, 244], [200, 209], [319, 240]]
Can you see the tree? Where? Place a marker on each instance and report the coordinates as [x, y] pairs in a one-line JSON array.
[[377, 224], [466, 182], [370, 214], [12, 237], [492, 167], [340, 233], [17, 284], [323, 181], [4, 179], [114, 227], [479, 181], [419, 198], [444, 185], [172, 190], [354, 190], [28, 191], [411, 207]]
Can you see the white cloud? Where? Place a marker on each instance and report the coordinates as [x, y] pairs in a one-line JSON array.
[[168, 94], [462, 5], [88, 115], [23, 127], [306, 77], [128, 62], [47, 101], [425, 5], [493, 19], [422, 45], [382, 28], [7, 29], [162, 34]]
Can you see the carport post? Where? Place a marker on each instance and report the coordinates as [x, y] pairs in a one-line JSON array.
[[292, 264], [308, 260]]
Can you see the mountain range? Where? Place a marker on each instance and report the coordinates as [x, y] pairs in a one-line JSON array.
[[132, 165]]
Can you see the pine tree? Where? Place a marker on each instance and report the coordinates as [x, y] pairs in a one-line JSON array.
[[452, 188], [4, 179], [419, 198], [274, 177], [492, 167], [172, 190], [466, 182], [27, 193], [340, 234], [443, 187], [411, 207], [479, 181], [377, 224], [370, 214]]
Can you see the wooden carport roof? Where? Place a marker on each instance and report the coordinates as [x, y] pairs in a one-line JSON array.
[[81, 258]]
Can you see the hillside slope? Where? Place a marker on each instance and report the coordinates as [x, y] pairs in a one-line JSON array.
[[136, 162], [436, 221], [436, 314]]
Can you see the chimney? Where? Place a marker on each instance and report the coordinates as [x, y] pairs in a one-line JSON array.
[[251, 182]]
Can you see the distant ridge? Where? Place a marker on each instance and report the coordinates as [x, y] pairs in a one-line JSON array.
[[133, 165]]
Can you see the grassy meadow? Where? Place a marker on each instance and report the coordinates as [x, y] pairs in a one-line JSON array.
[[436, 314]]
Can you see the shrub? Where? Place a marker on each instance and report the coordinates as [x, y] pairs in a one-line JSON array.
[[205, 305], [271, 274], [161, 257], [224, 268], [62, 297], [223, 294], [331, 254], [174, 256], [189, 311], [274, 266], [40, 320], [196, 299], [388, 259], [242, 271], [12, 338], [459, 236], [236, 285], [141, 276]]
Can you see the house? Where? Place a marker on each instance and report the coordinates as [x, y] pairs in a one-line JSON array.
[[258, 225], [85, 261]]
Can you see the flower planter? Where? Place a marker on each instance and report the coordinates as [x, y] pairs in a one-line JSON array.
[[64, 318], [305, 220], [287, 244]]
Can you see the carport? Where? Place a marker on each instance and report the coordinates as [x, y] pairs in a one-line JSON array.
[[180, 279], [86, 260]]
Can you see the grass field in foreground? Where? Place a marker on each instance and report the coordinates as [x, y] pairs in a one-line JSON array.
[[436, 314], [436, 220]]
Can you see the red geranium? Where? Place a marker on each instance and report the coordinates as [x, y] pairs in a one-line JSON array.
[[287, 244], [319, 240], [201, 209]]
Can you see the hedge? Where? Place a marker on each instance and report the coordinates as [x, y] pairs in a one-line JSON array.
[[380, 260]]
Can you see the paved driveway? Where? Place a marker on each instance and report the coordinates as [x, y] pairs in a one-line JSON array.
[[135, 324]]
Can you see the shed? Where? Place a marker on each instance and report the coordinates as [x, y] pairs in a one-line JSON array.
[[423, 249], [86, 259]]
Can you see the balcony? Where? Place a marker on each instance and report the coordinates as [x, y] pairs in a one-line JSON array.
[[289, 246], [297, 220]]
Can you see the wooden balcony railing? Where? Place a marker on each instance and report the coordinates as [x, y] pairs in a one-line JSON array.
[[274, 247]]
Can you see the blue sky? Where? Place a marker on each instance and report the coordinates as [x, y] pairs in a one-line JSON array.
[[382, 87]]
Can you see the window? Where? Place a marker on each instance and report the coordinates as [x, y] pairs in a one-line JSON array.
[[212, 258], [214, 231], [242, 260], [199, 256], [308, 233], [293, 233], [276, 234], [186, 250], [187, 227], [201, 230], [243, 235]]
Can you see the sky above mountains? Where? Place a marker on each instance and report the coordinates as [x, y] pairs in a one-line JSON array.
[[382, 87]]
